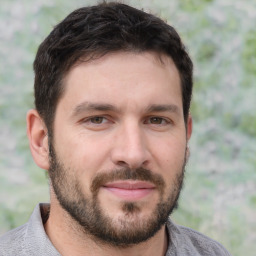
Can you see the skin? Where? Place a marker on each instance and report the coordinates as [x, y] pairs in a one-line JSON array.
[[131, 133]]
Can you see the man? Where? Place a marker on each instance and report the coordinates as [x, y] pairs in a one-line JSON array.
[[111, 126]]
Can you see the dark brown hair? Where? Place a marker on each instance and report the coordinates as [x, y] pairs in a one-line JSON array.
[[91, 32]]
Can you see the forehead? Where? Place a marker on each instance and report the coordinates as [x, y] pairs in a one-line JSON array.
[[124, 77]]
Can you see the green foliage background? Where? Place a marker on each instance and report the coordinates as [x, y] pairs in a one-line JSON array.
[[219, 198]]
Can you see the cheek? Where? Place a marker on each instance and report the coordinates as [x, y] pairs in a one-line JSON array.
[[84, 157], [171, 153], [170, 161], [77, 148]]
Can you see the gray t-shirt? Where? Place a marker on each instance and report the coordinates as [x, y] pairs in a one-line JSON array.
[[31, 239]]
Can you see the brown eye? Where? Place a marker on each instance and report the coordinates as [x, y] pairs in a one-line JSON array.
[[97, 123], [97, 119], [156, 120]]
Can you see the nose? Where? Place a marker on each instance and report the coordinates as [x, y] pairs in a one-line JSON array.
[[130, 147]]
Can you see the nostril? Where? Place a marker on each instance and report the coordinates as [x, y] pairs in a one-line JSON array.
[[122, 163], [132, 164]]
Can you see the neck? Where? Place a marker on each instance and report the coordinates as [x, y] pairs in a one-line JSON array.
[[67, 237]]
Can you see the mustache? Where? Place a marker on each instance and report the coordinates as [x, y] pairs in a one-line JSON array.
[[140, 174]]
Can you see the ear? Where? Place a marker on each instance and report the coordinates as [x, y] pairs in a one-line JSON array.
[[38, 139], [189, 127], [189, 133]]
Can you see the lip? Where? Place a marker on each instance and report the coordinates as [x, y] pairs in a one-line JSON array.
[[130, 190]]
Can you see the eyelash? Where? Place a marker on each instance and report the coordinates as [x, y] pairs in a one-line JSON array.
[[95, 118], [163, 121], [90, 119]]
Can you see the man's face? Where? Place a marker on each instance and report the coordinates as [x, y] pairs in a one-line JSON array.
[[119, 146]]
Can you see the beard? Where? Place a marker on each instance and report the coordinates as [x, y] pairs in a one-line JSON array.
[[86, 210]]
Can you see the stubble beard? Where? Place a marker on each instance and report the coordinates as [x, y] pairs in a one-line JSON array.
[[125, 231]]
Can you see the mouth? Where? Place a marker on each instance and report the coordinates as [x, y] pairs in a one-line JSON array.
[[130, 190]]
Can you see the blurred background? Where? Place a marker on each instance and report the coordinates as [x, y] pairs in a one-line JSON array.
[[219, 198]]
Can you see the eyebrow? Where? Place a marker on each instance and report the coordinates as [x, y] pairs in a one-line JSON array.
[[163, 108], [89, 106]]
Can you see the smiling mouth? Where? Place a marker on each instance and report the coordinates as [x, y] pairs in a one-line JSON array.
[[130, 190]]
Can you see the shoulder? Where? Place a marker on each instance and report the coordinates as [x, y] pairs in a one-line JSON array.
[[193, 243], [11, 242], [30, 238]]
